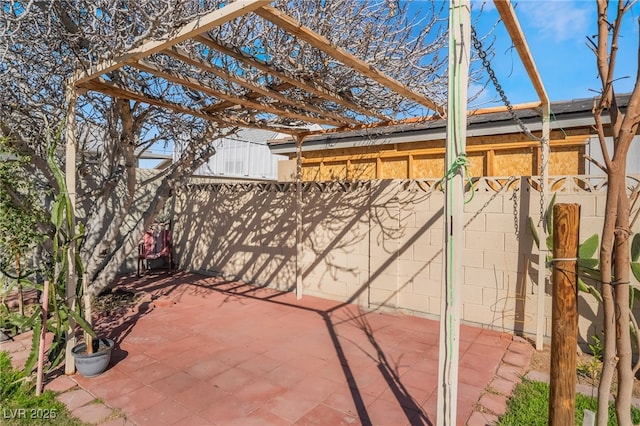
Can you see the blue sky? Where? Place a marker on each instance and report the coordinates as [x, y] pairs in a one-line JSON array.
[[556, 32]]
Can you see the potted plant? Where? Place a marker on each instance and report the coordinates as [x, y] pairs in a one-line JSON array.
[[93, 355]]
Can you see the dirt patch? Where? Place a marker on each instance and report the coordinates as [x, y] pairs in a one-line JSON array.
[[114, 301], [587, 372]]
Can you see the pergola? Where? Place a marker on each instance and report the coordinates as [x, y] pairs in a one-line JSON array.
[[280, 100], [273, 99]]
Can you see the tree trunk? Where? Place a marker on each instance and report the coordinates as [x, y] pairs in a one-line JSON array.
[[102, 277], [609, 359], [622, 278]]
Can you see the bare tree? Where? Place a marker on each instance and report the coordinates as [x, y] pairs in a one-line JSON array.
[[615, 245], [45, 42]]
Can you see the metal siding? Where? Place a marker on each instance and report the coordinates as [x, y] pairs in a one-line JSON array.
[[245, 154]]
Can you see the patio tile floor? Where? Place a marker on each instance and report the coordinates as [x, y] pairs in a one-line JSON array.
[[222, 353]]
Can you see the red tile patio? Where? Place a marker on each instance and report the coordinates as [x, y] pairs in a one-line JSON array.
[[203, 350]]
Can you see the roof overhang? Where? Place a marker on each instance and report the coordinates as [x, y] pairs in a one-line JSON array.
[[482, 124]]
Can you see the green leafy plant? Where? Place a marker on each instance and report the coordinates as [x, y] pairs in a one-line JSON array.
[[65, 236], [11, 323], [593, 367], [596, 348], [20, 216], [17, 393], [587, 262]]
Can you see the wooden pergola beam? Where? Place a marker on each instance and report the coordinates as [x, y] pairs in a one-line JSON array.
[[309, 86], [91, 79], [194, 84], [112, 89], [508, 16], [186, 57], [321, 43], [251, 95], [203, 24]]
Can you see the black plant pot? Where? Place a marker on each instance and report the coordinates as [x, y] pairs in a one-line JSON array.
[[91, 365]]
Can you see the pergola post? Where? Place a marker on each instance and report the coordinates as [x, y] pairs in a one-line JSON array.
[[299, 225], [542, 232], [459, 51], [70, 180]]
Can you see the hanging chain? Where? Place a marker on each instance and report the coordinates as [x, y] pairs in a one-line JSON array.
[[507, 184], [541, 222], [477, 44]]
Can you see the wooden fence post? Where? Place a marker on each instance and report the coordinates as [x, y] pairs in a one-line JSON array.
[[564, 319]]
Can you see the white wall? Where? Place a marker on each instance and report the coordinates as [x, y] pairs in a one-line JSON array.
[[594, 151]]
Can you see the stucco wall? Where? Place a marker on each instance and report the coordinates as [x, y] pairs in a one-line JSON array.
[[379, 243]]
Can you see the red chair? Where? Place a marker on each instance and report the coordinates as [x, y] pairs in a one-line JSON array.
[[156, 244]]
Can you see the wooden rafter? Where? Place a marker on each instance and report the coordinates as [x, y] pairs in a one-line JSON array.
[[220, 106], [194, 84], [319, 42], [188, 58], [261, 98], [100, 85], [283, 75], [203, 24], [508, 15], [517, 107]]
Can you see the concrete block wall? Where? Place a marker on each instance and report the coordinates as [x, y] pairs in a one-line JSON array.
[[237, 233], [379, 244], [335, 249]]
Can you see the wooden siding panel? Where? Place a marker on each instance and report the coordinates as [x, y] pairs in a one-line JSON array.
[[395, 168], [362, 170], [513, 163], [428, 166], [334, 171], [476, 164], [564, 161], [498, 155], [311, 172]]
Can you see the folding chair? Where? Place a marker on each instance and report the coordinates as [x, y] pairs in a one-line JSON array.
[[156, 244]]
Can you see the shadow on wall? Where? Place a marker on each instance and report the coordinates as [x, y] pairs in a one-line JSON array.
[[375, 243], [249, 231], [237, 231], [358, 238]]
